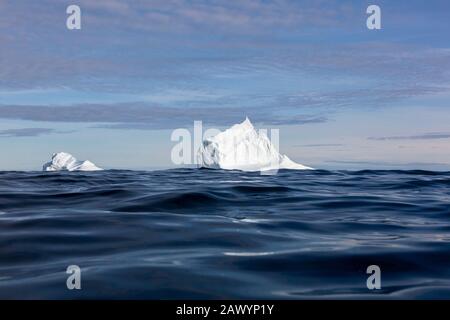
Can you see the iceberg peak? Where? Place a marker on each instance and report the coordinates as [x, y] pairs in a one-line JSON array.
[[241, 147], [247, 123], [243, 126], [63, 161]]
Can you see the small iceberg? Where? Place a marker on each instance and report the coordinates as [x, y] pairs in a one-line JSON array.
[[63, 161], [241, 147]]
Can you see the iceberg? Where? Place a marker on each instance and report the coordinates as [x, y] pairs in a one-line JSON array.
[[241, 147], [63, 161]]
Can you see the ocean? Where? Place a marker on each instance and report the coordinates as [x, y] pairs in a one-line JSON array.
[[212, 234]]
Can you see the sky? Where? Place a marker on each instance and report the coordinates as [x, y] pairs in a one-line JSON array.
[[342, 96]]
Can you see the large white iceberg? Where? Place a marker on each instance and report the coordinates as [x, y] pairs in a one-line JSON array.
[[241, 147], [63, 161]]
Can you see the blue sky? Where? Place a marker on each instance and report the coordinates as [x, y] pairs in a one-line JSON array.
[[343, 96]]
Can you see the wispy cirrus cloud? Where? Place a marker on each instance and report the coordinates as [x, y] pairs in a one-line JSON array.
[[25, 132], [144, 116], [136, 49], [426, 136], [320, 145], [242, 16], [234, 53]]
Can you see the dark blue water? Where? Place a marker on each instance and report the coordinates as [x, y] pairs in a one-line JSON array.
[[213, 234]]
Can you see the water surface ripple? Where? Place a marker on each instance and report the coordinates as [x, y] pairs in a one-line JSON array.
[[190, 233]]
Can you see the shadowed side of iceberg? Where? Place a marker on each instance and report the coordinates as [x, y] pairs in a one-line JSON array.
[[241, 147]]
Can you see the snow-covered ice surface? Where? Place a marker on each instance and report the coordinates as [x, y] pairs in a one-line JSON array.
[[63, 161], [241, 147]]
